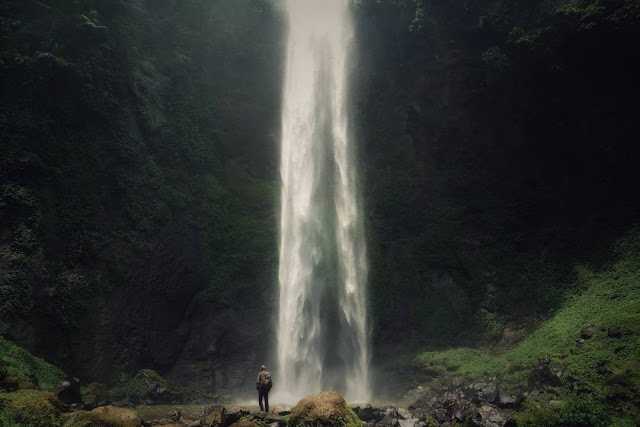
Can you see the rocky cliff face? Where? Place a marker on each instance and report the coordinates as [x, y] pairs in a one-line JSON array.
[[138, 183], [139, 173], [495, 138]]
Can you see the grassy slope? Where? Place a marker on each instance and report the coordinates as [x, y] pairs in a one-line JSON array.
[[27, 369], [605, 299], [27, 406]]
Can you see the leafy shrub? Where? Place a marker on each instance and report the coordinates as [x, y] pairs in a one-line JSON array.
[[576, 412], [6, 420], [584, 412]]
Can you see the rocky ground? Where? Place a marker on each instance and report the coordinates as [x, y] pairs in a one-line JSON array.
[[548, 395], [479, 404]]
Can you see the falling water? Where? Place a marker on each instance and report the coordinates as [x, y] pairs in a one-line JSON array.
[[322, 330]]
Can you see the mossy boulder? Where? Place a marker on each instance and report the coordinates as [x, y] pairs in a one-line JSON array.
[[34, 408], [326, 409], [104, 416]]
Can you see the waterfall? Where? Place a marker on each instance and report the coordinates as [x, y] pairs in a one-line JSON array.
[[322, 324]]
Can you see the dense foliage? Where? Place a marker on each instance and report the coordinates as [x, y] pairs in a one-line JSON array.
[[498, 144], [139, 185], [137, 173]]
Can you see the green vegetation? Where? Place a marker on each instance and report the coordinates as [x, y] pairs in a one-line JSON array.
[[592, 340], [575, 412], [6, 420], [139, 187], [137, 184], [607, 302], [25, 370], [31, 407]]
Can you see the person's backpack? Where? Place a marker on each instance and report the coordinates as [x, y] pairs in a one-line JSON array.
[[267, 380]]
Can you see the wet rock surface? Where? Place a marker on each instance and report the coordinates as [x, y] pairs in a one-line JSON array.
[[480, 404]]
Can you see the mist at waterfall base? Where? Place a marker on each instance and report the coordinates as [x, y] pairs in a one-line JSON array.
[[323, 336]]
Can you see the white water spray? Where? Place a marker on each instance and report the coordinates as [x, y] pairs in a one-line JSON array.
[[322, 332]]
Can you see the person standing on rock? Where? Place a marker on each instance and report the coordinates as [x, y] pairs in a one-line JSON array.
[[263, 384]]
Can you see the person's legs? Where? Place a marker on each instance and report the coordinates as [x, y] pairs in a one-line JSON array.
[[260, 396], [266, 400]]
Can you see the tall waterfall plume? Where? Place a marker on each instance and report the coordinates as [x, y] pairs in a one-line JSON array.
[[323, 338]]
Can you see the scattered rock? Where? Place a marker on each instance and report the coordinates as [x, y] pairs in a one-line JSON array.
[[491, 417], [388, 421], [270, 419], [615, 332], [479, 404], [233, 415], [369, 414], [543, 375], [506, 401], [111, 415], [587, 332], [487, 392], [556, 404]]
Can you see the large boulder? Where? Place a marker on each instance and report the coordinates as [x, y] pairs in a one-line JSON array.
[[325, 409], [104, 416], [543, 375]]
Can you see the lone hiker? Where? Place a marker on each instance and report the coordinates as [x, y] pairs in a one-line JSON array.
[[263, 384]]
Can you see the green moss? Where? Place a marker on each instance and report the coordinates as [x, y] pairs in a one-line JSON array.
[[27, 370], [581, 9], [463, 361], [575, 412], [32, 407], [609, 299], [6, 420], [623, 422], [326, 408]]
